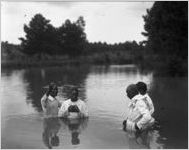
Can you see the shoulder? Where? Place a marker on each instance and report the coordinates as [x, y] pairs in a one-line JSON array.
[[66, 102], [44, 97], [140, 103], [148, 97], [81, 102]]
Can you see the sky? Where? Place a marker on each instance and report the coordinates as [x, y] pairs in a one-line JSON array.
[[111, 22]]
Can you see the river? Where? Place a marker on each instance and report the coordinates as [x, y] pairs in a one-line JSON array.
[[103, 89]]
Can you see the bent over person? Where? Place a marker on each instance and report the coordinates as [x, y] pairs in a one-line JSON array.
[[139, 117], [73, 107], [142, 89]]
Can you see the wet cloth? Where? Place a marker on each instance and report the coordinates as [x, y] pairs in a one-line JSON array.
[[149, 103], [50, 106], [139, 114], [79, 103]]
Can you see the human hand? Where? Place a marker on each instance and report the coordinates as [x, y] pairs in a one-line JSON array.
[[73, 108], [137, 129]]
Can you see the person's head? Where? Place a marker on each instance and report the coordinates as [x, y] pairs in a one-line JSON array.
[[55, 140], [53, 89], [131, 91], [74, 94], [142, 87]]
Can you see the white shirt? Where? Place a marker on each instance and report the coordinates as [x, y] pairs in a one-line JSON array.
[[139, 114], [80, 104], [149, 103], [50, 106]]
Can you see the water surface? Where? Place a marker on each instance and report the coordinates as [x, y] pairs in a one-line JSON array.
[[103, 89]]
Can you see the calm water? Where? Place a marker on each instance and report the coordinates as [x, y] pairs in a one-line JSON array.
[[103, 88]]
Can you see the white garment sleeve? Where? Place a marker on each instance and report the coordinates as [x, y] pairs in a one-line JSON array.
[[84, 110], [43, 102], [151, 104], [146, 117]]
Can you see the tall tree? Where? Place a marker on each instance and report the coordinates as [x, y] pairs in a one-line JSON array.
[[73, 37], [166, 26], [40, 37]]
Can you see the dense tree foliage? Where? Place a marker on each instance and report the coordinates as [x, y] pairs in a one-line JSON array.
[[72, 37], [166, 26], [42, 38], [10, 51]]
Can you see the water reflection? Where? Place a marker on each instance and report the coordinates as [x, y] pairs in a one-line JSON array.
[[147, 139], [104, 87], [75, 126], [51, 128], [170, 97]]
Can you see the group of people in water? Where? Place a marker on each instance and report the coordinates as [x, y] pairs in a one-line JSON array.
[[71, 108], [140, 108]]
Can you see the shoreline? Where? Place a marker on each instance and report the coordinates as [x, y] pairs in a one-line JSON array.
[[52, 63]]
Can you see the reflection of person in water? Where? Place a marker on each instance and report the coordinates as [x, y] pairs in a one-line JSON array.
[[51, 127], [75, 126], [146, 139]]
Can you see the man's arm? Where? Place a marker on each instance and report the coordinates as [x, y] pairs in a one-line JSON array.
[[84, 110], [151, 104], [43, 102], [63, 112], [146, 117]]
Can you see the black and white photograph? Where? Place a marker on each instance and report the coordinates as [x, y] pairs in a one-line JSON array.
[[94, 74]]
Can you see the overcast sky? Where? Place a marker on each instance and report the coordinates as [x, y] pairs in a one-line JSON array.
[[110, 22]]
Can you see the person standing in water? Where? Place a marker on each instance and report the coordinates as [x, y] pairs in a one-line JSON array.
[[142, 89], [73, 107], [139, 117], [49, 103]]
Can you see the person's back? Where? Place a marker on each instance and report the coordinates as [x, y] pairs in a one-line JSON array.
[[149, 103], [49, 102], [139, 117], [142, 88]]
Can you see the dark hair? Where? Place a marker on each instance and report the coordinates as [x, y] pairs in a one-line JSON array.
[[131, 90], [75, 89], [52, 86], [142, 87], [55, 140]]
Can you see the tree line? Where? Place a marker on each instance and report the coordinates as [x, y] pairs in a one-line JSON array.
[[166, 29], [43, 38]]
